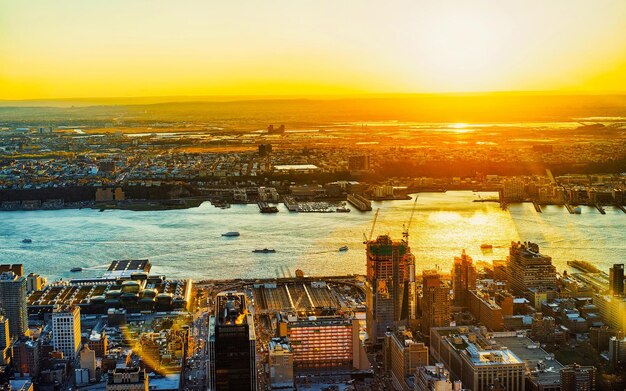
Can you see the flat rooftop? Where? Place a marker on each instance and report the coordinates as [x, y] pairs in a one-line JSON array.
[[124, 268], [529, 351]]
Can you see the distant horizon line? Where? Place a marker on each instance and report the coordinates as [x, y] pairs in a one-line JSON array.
[[225, 98]]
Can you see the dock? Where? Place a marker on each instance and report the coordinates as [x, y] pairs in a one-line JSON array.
[[537, 207], [360, 202], [620, 207], [600, 209], [569, 208]]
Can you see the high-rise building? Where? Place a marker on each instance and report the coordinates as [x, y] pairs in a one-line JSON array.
[[390, 285], [527, 268], [463, 279], [617, 352], [616, 279], [66, 331], [281, 364], [401, 356], [232, 344], [578, 378], [435, 301], [13, 302], [128, 379]]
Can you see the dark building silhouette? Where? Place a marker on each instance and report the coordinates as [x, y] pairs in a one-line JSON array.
[[578, 378], [616, 279], [265, 149], [232, 345]]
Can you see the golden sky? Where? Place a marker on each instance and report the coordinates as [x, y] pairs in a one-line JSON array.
[[121, 48]]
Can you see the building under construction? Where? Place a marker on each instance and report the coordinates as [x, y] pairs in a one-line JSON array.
[[390, 285]]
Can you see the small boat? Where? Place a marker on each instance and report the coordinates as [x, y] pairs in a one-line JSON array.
[[101, 209], [76, 269], [343, 209], [486, 246], [578, 210], [231, 234], [264, 251], [27, 241], [343, 248]]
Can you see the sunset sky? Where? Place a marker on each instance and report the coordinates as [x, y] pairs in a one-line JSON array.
[[121, 48]]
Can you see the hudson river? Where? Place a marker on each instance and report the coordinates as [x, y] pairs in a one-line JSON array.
[[188, 243]]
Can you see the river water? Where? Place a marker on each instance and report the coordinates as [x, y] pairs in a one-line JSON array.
[[188, 243]]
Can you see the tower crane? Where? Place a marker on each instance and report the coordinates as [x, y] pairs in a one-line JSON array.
[[405, 228], [372, 230]]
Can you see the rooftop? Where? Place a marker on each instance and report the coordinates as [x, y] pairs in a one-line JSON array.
[[542, 366]]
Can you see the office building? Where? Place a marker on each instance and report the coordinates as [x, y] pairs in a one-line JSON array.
[[616, 279], [463, 279], [390, 285], [527, 268], [35, 282], [66, 331], [13, 301], [578, 378], [359, 163], [88, 361], [617, 352], [128, 379], [434, 378], [16, 268], [5, 341], [402, 355], [612, 309], [323, 343], [281, 364], [479, 364], [26, 356], [543, 373], [489, 310], [99, 343], [232, 344], [435, 301]]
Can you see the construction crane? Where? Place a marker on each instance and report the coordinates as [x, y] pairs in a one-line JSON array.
[[372, 230], [405, 228]]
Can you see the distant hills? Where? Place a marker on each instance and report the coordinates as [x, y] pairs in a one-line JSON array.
[[488, 107]]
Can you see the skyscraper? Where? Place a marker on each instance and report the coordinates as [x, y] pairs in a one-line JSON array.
[[13, 302], [232, 345], [527, 268], [66, 331], [390, 285], [463, 278], [435, 302], [616, 279]]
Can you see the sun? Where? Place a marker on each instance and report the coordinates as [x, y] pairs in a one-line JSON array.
[[464, 50]]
